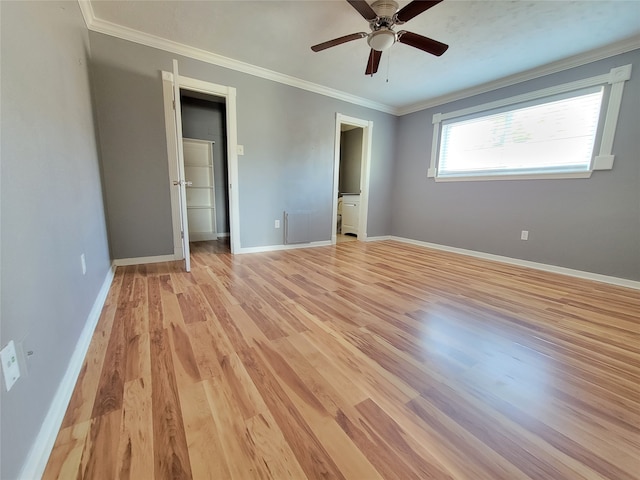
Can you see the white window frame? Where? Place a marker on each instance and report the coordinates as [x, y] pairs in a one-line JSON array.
[[603, 161]]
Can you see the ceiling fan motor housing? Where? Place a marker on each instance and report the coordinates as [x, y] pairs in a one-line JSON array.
[[382, 35], [385, 8]]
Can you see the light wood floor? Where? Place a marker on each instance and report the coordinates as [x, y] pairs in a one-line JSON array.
[[356, 361]]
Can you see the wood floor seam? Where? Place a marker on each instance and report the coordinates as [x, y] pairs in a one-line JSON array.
[[358, 361]]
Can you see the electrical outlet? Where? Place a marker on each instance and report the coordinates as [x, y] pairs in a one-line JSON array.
[[524, 235], [277, 224], [240, 149], [10, 367], [84, 264]]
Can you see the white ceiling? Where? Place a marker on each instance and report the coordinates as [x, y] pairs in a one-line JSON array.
[[489, 40]]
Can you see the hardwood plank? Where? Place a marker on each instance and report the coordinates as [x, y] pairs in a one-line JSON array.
[[138, 358], [206, 453], [193, 305], [273, 449], [100, 447], [309, 451], [356, 361], [66, 456], [135, 452], [171, 453], [244, 460], [111, 383]]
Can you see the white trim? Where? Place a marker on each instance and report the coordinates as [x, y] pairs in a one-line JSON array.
[[87, 12], [432, 171], [365, 171], [291, 246], [182, 182], [223, 235], [381, 238], [621, 282], [516, 176], [123, 262], [125, 33], [172, 152], [42, 446], [526, 97], [617, 48], [229, 94], [617, 77], [604, 161], [118, 31]]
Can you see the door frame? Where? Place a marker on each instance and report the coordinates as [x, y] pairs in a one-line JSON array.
[[229, 94], [365, 169]]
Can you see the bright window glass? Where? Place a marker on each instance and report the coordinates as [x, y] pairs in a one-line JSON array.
[[550, 135]]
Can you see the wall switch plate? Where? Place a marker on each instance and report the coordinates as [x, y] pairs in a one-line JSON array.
[[240, 149], [10, 368], [83, 262], [524, 235], [277, 224]]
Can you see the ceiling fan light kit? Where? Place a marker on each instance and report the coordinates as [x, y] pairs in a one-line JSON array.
[[382, 16], [382, 39]]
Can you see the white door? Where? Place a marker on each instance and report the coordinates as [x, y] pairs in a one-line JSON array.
[[181, 183], [170, 84], [201, 194]]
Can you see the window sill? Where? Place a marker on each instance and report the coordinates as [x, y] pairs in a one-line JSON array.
[[538, 176]]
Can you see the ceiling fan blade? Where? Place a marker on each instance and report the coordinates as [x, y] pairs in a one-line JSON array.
[[338, 41], [374, 62], [414, 9], [422, 43], [363, 9]]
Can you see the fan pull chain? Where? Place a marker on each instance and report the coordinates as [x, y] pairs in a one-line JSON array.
[[388, 62]]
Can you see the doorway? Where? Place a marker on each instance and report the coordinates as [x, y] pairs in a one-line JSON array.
[[206, 170], [352, 158], [193, 88]]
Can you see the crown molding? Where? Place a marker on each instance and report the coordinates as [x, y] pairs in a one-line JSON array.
[[87, 12], [624, 46], [108, 28], [125, 33]]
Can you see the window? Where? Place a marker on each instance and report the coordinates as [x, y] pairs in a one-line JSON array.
[[550, 133]]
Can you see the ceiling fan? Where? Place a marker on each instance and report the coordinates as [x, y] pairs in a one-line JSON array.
[[382, 16]]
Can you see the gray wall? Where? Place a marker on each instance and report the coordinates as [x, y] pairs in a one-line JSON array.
[[591, 224], [350, 160], [206, 120], [287, 133], [51, 207]]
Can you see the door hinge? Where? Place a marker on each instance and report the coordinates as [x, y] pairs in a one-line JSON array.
[[182, 234], [174, 104]]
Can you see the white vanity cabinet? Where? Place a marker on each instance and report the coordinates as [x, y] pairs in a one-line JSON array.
[[350, 214]]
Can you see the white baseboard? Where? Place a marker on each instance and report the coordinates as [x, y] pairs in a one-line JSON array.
[[224, 235], [273, 248], [621, 282], [123, 262], [380, 238], [38, 456]]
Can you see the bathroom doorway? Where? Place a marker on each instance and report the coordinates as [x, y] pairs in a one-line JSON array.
[[351, 178]]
